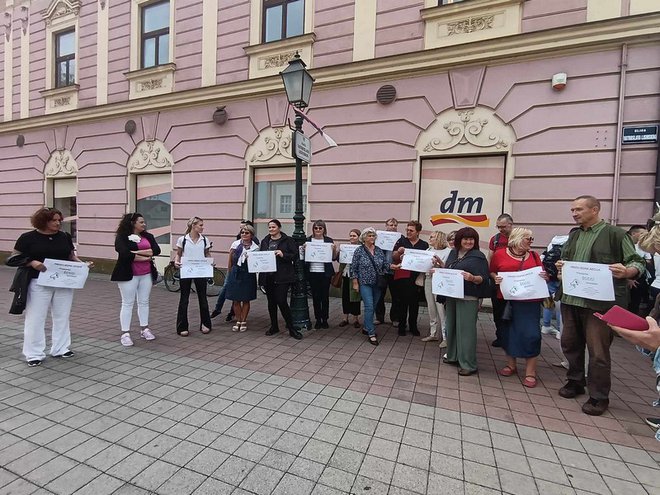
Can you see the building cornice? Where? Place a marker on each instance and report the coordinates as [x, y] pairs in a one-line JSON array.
[[587, 37]]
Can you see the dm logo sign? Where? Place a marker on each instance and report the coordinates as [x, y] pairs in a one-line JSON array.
[[466, 210]]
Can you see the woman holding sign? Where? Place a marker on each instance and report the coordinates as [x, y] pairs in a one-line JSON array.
[[350, 298], [46, 241], [133, 273], [462, 313], [368, 271], [192, 246], [438, 243], [319, 275], [277, 283], [242, 287], [522, 330]]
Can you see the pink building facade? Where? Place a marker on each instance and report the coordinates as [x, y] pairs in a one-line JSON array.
[[445, 113]]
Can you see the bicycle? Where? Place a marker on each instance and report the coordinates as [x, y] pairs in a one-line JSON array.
[[171, 277]]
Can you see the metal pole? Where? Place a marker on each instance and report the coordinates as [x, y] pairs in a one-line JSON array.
[[299, 306]]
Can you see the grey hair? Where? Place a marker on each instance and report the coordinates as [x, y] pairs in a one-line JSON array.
[[365, 232], [649, 240]]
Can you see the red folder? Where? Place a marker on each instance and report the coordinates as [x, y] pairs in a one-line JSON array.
[[620, 317]]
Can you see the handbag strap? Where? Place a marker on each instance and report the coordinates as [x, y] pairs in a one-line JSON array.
[[371, 258]]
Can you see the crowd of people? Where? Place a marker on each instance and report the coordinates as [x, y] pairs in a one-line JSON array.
[[364, 281]]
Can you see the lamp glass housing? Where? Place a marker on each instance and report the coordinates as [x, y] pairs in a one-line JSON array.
[[297, 82]]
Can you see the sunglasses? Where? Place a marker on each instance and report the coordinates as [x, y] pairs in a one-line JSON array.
[[530, 239], [245, 232]]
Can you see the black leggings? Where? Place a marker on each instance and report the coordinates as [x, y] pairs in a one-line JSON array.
[[348, 307], [276, 295], [182, 313]]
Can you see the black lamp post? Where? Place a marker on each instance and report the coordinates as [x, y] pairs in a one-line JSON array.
[[298, 86]]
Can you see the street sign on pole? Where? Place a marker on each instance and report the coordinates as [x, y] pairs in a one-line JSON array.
[[302, 147]]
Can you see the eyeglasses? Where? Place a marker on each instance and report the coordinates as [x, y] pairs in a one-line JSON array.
[[530, 239]]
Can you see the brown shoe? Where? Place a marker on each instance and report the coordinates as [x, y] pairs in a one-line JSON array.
[[595, 407], [571, 390]]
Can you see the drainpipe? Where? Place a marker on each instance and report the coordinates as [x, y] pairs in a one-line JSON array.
[[619, 134]]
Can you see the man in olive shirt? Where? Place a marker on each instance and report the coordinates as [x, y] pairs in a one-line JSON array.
[[595, 241]]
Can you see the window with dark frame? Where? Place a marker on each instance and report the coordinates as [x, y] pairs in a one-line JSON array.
[[283, 19], [154, 34], [65, 58]]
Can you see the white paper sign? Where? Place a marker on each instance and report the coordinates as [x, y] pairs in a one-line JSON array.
[[386, 239], [65, 274], [417, 261], [196, 267], [448, 282], [262, 262], [319, 252], [346, 252], [588, 280], [522, 285]]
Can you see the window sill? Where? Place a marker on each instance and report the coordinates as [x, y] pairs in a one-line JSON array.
[[268, 59], [474, 20], [153, 81], [60, 99]]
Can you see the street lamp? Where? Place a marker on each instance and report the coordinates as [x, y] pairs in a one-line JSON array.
[[298, 86]]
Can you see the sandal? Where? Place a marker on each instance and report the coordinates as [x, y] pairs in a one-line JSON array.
[[356, 324], [204, 329], [373, 340], [507, 371], [530, 381], [236, 327], [466, 372], [243, 327], [343, 323], [183, 333]]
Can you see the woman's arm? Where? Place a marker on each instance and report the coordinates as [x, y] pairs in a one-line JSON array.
[[123, 248], [155, 248], [177, 256], [290, 250]]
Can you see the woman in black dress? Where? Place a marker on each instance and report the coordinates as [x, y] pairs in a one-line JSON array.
[[241, 284]]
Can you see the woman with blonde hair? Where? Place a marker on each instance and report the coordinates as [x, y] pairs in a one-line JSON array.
[[368, 268], [522, 332], [437, 243], [650, 242], [192, 245]]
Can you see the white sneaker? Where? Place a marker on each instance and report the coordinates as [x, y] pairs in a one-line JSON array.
[[147, 335], [126, 340], [549, 330], [430, 338], [558, 335]]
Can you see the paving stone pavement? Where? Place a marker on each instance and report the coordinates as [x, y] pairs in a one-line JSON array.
[[248, 414]]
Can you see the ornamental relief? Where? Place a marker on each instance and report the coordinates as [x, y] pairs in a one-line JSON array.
[[150, 156], [61, 164], [480, 129], [61, 8], [470, 25], [269, 146], [277, 60], [150, 84]]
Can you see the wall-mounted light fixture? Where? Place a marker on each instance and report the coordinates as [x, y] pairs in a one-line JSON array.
[[220, 115]]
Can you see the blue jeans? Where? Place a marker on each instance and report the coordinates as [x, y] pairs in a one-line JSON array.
[[553, 286], [221, 299], [370, 295]]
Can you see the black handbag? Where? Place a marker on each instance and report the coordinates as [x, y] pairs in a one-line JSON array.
[[381, 280], [507, 314]]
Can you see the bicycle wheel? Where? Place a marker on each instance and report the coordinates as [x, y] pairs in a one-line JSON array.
[[216, 283], [171, 278]]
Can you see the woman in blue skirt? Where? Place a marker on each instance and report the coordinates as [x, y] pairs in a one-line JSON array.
[[522, 334], [241, 284]]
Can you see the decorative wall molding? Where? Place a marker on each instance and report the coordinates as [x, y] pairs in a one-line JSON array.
[[152, 81], [479, 130], [61, 99], [268, 59], [24, 18], [61, 164], [272, 142], [7, 25], [471, 24], [150, 156], [61, 9], [465, 22], [102, 4]]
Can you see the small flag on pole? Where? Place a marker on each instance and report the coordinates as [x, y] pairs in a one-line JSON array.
[[327, 138]]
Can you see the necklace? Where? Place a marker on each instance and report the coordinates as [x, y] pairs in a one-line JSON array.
[[516, 255]]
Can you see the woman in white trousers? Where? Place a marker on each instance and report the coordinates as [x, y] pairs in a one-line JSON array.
[[46, 241], [438, 243]]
